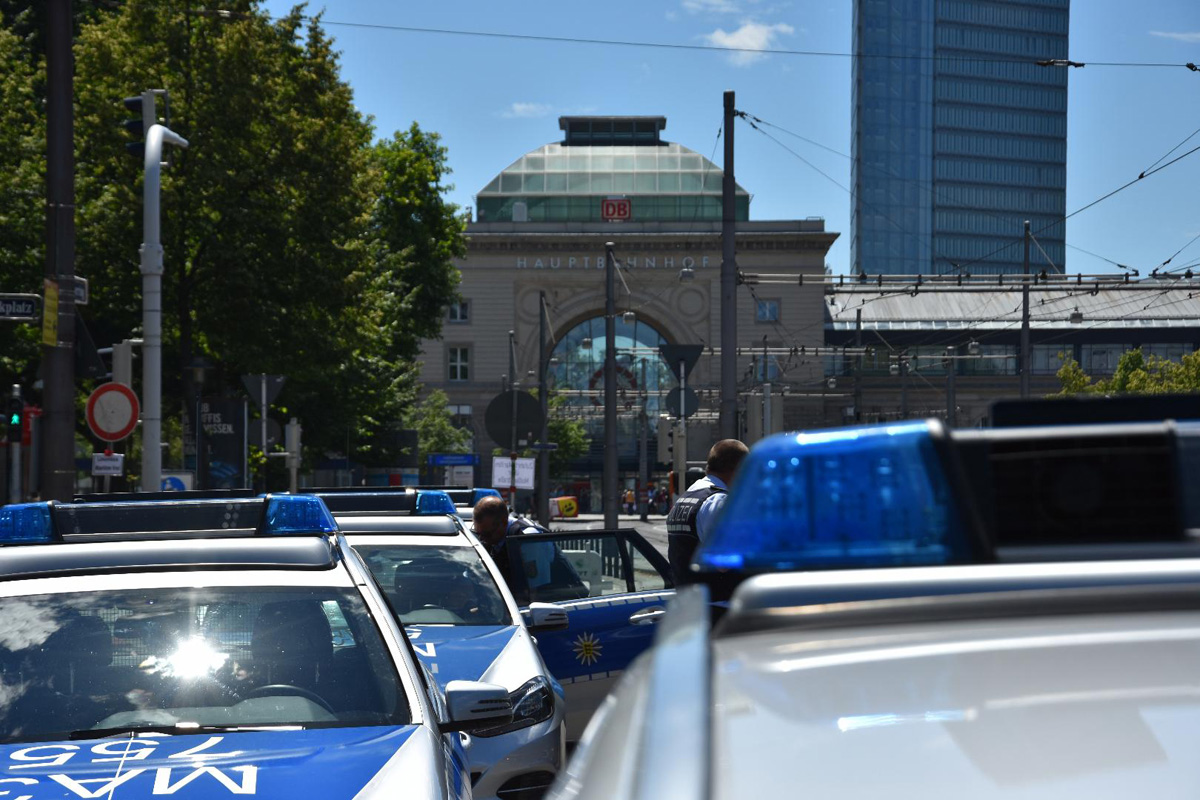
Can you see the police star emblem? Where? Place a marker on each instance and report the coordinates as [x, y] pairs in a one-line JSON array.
[[587, 648]]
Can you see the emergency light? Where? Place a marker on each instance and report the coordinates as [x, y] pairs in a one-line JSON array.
[[25, 523], [271, 515], [431, 502], [850, 497]]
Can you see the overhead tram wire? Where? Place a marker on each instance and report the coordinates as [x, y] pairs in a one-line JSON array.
[[925, 186], [1172, 150], [1097, 201], [853, 195], [681, 46]]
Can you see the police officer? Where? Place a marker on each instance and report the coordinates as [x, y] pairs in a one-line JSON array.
[[693, 514], [493, 526]]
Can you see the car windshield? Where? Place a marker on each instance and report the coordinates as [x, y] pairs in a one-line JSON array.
[[161, 658], [437, 585]]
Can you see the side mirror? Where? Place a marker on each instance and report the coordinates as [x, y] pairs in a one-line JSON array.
[[471, 705], [543, 617]]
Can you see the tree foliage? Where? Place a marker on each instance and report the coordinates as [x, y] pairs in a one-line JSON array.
[[1136, 373], [436, 432], [294, 243], [22, 200]]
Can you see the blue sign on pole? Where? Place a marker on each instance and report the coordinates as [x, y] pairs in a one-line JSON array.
[[452, 459]]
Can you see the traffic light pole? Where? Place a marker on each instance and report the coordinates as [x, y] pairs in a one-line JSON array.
[[152, 270], [14, 447]]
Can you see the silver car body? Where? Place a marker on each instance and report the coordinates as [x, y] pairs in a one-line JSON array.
[[1006, 681], [507, 658]]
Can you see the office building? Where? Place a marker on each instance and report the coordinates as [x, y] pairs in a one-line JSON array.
[[958, 135]]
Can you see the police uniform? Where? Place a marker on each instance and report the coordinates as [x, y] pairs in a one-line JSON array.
[[683, 530], [516, 527]]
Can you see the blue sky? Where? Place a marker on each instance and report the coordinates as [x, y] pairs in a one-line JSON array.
[[494, 99]]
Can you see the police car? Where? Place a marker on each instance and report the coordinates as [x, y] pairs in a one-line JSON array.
[[464, 625], [211, 648], [612, 584], [1035, 634]]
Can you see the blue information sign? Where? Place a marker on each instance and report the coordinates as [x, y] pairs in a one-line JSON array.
[[452, 459]]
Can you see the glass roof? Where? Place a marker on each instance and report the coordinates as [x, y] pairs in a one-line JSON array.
[[581, 170]]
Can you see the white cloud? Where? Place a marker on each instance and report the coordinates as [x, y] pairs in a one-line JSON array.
[[710, 6], [526, 111], [748, 38], [1179, 36]]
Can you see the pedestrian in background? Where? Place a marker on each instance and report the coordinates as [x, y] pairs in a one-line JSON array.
[[691, 518]]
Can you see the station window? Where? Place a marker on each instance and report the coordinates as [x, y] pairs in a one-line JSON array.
[[458, 363], [766, 311], [459, 312]]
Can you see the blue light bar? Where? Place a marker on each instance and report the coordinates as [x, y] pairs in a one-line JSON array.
[[849, 497], [26, 523], [297, 515], [482, 493], [433, 501]]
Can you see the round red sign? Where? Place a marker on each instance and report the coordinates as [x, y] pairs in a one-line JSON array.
[[112, 411]]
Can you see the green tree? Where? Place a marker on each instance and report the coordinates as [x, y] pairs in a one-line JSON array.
[[1136, 373], [435, 431], [415, 233], [22, 201], [569, 434]]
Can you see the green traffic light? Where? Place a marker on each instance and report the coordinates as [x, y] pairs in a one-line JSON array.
[[15, 419]]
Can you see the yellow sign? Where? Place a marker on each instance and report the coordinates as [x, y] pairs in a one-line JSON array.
[[566, 506], [50, 314]]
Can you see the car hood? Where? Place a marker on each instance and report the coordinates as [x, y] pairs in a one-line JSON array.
[[461, 652], [328, 763]]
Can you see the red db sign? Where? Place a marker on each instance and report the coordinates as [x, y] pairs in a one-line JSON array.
[[616, 209]]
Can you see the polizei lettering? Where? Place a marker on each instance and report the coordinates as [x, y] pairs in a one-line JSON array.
[[54, 763]]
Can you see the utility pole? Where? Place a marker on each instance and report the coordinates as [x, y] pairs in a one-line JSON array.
[[904, 387], [951, 396], [543, 494], [766, 390], [58, 330], [643, 452], [858, 366], [728, 408], [152, 270], [609, 483], [1025, 355]]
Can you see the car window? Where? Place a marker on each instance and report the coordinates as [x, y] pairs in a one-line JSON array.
[[646, 577], [214, 657], [570, 567], [437, 585]]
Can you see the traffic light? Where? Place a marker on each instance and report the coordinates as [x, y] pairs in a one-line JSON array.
[[146, 108], [16, 410]]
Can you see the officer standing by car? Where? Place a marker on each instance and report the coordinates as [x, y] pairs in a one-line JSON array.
[[692, 516], [492, 526]]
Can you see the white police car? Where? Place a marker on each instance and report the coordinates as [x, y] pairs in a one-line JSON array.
[[211, 649], [1036, 633], [464, 625]]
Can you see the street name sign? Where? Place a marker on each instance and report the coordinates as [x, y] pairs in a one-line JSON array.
[[20, 307]]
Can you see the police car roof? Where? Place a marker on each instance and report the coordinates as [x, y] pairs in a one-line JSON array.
[[916, 594], [402, 524], [76, 558], [1080, 704]]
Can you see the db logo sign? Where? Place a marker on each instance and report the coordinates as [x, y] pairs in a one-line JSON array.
[[615, 209]]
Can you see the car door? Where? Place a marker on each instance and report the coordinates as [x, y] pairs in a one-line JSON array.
[[613, 585]]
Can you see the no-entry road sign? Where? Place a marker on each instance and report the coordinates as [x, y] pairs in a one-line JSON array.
[[112, 412]]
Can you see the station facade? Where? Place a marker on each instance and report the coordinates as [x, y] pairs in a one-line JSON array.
[[541, 228]]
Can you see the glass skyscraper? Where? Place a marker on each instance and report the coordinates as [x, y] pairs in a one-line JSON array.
[[958, 136]]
